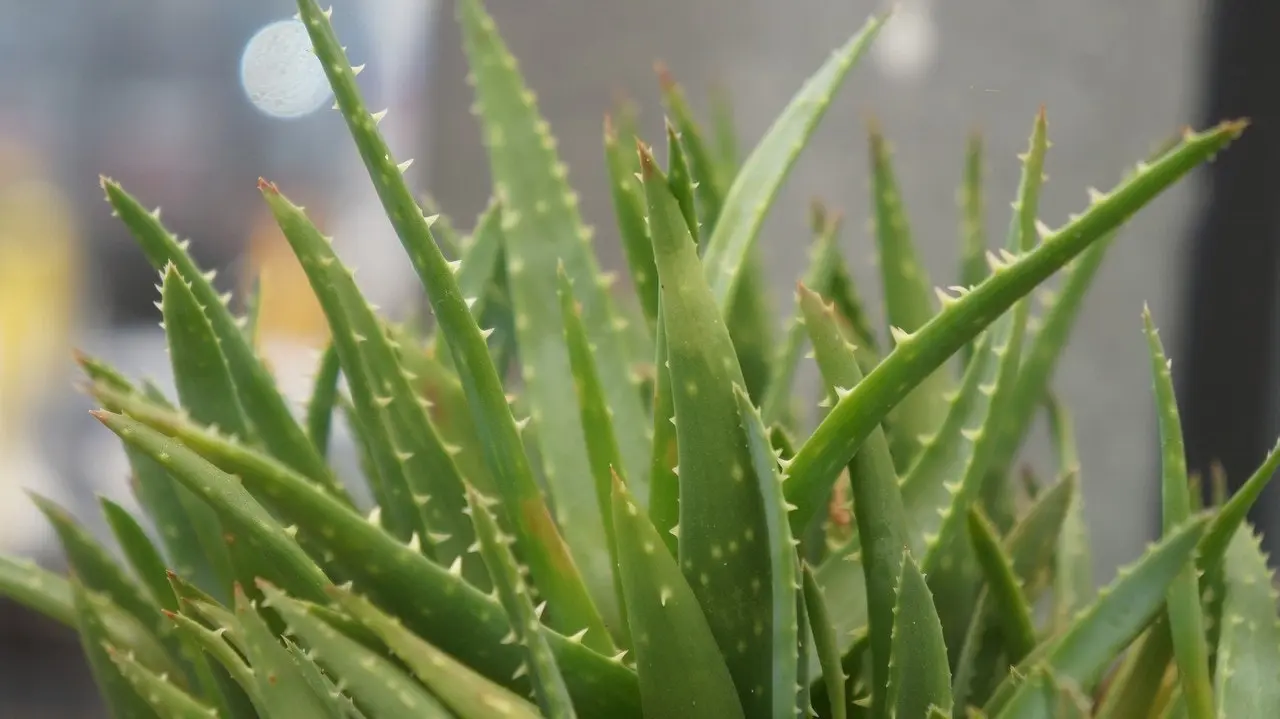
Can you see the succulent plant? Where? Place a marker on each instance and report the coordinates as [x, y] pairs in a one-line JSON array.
[[639, 522]]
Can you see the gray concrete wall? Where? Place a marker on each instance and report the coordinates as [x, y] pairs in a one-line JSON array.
[[1115, 79]]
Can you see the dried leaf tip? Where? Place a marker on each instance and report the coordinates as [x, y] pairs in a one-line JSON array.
[[648, 167], [267, 186], [665, 79]]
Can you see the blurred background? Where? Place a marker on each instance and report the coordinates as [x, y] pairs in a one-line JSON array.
[[187, 103]]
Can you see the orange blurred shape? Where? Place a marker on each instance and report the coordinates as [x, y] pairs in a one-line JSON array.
[[288, 310]]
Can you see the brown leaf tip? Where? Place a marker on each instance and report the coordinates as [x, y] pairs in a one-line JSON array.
[[265, 186]]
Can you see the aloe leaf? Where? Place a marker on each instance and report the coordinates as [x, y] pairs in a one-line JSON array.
[[121, 698], [883, 532], [284, 691], [1186, 618], [725, 132], [262, 403], [236, 507], [722, 520], [1073, 564], [451, 241], [680, 181], [1030, 546], [1249, 644], [907, 300], [543, 227], [239, 691], [756, 184], [554, 571], [1011, 605], [37, 589], [372, 681], [664, 484], [681, 669], [526, 624], [825, 643], [337, 705], [163, 697], [783, 563], [467, 694], [479, 277], [628, 207], [842, 431], [973, 232], [822, 264], [1231, 516], [597, 423], [142, 555], [253, 310], [189, 528], [419, 476], [1100, 631], [750, 321], [324, 396], [919, 677], [1137, 681], [844, 293], [707, 177], [96, 568]]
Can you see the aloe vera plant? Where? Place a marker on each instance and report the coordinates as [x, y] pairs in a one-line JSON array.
[[647, 521]]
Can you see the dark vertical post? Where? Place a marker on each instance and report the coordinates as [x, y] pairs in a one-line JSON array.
[[1229, 341]]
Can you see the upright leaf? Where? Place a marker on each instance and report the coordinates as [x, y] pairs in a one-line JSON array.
[[324, 396], [1011, 604], [628, 207], [664, 487], [1248, 676], [681, 669], [919, 677], [722, 520], [283, 688], [825, 643], [543, 228], [1186, 618]]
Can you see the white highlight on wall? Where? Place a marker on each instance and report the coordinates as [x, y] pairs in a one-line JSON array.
[[908, 42], [280, 74]]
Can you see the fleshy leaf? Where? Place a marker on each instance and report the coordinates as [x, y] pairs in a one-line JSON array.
[[763, 172], [1011, 604], [628, 207], [919, 677], [680, 181], [1186, 617], [1101, 630], [681, 669], [119, 695], [826, 644], [166, 699], [468, 695], [324, 396], [285, 692], [722, 520], [543, 228], [433, 602], [263, 404], [819, 460], [908, 302], [664, 484], [337, 704], [1249, 644], [212, 643], [419, 476], [517, 601]]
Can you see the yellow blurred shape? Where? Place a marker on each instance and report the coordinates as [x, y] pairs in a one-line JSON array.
[[288, 309]]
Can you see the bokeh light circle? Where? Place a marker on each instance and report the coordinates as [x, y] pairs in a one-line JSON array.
[[280, 74]]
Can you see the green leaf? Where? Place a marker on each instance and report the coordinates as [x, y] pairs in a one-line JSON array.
[[1100, 631], [708, 178], [526, 622], [37, 589], [337, 705], [1141, 675], [783, 566], [372, 681], [919, 677], [664, 484], [467, 694], [324, 395], [165, 698], [681, 669], [1249, 645], [762, 174], [722, 521], [681, 182], [121, 698], [554, 571], [239, 511], [883, 532], [848, 303], [253, 311], [628, 207], [826, 644], [189, 528], [822, 264], [973, 232], [907, 301], [284, 690], [263, 404], [213, 644], [725, 132], [96, 568], [432, 601], [543, 228], [1186, 618], [1011, 604], [418, 473], [1031, 547], [451, 241], [1073, 565], [836, 439], [141, 553], [597, 425]]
